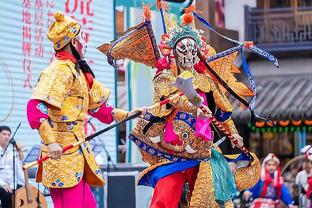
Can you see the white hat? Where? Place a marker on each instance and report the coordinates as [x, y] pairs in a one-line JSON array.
[[271, 156]]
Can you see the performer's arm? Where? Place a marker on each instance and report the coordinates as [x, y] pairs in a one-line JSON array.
[[254, 192], [108, 114], [286, 196], [37, 115], [223, 113]]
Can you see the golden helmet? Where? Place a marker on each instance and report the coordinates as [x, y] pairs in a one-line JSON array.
[[62, 30]]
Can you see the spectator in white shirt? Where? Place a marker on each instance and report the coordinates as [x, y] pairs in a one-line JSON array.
[[302, 181], [6, 169]]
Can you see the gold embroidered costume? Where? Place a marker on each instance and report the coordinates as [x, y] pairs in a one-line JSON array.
[[65, 91]]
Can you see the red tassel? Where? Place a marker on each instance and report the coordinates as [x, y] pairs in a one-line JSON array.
[[147, 12]]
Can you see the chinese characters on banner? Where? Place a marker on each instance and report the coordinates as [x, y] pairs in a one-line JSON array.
[[33, 24], [26, 41], [50, 9]]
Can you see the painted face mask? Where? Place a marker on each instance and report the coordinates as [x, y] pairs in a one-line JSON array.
[[82, 46], [186, 53]]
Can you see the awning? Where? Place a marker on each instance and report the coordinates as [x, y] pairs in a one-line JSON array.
[[281, 99]]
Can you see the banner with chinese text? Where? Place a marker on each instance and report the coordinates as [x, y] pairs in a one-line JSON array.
[[25, 51]]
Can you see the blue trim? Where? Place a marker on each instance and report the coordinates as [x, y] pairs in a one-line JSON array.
[[189, 119], [222, 116], [251, 79], [224, 53], [163, 19], [152, 177], [240, 157]]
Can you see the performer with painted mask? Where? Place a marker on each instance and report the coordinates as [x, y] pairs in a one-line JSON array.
[[175, 136], [270, 189], [66, 92]]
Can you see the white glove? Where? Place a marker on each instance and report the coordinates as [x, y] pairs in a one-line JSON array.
[[239, 139]]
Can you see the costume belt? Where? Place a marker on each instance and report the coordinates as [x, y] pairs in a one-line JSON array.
[[157, 153], [74, 126]]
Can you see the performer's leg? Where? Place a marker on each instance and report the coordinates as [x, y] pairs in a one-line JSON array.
[[191, 175], [79, 196], [5, 197], [168, 191], [57, 199], [89, 200]]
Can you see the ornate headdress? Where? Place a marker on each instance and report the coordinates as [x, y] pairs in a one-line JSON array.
[[179, 33], [62, 30]]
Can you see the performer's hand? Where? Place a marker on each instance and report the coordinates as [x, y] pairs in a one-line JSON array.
[[246, 195], [7, 188], [142, 110], [55, 150], [239, 139]]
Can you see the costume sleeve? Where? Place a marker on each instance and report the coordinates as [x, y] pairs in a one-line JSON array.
[[37, 115], [53, 85], [286, 196], [103, 113], [298, 181], [256, 190]]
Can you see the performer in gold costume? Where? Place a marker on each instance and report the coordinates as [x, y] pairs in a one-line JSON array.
[[66, 92], [175, 136], [176, 139]]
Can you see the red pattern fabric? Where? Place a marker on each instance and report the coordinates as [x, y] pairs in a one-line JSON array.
[[103, 114], [35, 116], [162, 64]]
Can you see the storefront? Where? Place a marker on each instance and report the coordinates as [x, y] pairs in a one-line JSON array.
[[287, 102]]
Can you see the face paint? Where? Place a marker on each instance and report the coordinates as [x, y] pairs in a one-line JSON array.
[[82, 44], [186, 53]]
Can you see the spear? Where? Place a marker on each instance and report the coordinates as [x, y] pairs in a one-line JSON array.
[[29, 165], [181, 84], [37, 162]]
